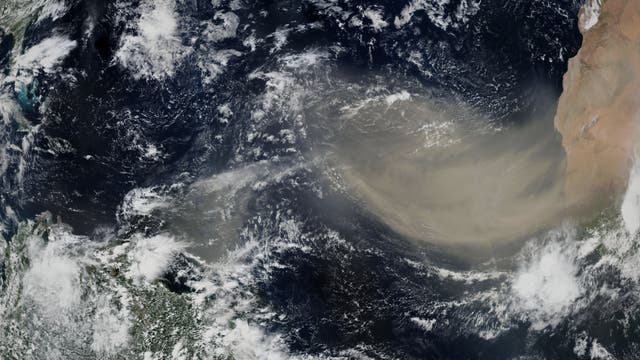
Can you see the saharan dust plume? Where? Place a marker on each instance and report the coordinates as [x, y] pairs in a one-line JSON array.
[[437, 173]]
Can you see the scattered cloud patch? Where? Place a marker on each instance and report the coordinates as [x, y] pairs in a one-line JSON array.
[[376, 17], [150, 256], [547, 285], [45, 55], [155, 48]]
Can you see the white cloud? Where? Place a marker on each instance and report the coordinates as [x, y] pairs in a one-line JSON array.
[[436, 11], [143, 201], [631, 203], [590, 14], [156, 48], [45, 55], [52, 280], [599, 352], [546, 287], [225, 29], [376, 17], [111, 324], [52, 10], [150, 256]]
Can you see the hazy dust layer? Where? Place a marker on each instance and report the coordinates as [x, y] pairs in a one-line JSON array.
[[440, 175]]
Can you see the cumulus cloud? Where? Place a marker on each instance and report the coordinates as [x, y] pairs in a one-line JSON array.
[[150, 256], [45, 55], [547, 286], [155, 49]]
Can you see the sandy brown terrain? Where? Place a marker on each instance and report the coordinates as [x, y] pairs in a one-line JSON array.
[[598, 112]]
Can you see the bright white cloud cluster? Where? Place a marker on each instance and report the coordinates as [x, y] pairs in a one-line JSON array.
[[143, 201], [53, 277], [155, 49], [52, 10], [547, 286], [590, 14], [45, 55], [150, 256]]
